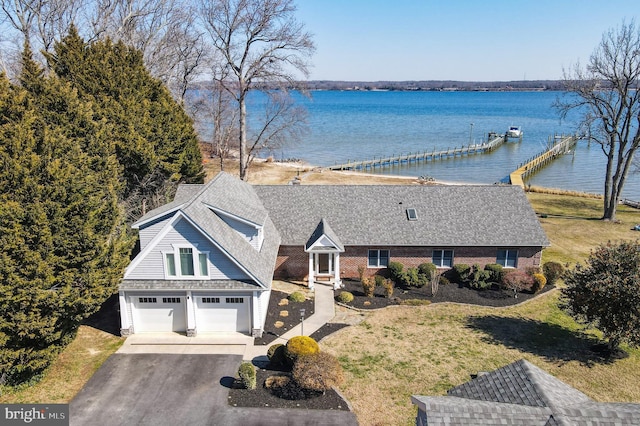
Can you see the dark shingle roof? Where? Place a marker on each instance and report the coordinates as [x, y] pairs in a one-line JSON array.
[[376, 215], [323, 228], [521, 393]]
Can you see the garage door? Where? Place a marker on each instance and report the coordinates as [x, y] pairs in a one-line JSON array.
[[158, 313], [222, 313]]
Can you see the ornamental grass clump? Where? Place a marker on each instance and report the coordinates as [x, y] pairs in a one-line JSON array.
[[297, 297], [318, 372], [247, 374], [368, 286], [387, 284], [300, 346], [344, 297]]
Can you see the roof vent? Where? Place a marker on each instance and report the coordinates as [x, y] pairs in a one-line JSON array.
[[411, 214]]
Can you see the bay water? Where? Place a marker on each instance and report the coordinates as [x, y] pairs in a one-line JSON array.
[[360, 125]]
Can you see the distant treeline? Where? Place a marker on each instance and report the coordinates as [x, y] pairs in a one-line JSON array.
[[438, 85]]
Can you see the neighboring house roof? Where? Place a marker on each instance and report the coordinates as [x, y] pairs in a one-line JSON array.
[[521, 393], [232, 197], [365, 215]]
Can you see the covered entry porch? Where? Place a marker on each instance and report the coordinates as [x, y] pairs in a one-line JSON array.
[[324, 250]]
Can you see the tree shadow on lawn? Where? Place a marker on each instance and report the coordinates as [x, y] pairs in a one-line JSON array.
[[107, 318], [550, 341]]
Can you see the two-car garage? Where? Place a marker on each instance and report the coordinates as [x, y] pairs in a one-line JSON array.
[[213, 312]]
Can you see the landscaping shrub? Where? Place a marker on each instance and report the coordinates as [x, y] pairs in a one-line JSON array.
[[361, 271], [517, 280], [539, 281], [479, 278], [427, 269], [300, 346], [496, 272], [395, 272], [379, 280], [368, 286], [552, 272], [276, 355], [247, 374], [443, 280], [318, 372], [297, 297], [387, 284], [345, 297], [461, 272]]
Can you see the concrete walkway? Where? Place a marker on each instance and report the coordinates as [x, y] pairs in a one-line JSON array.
[[324, 311]]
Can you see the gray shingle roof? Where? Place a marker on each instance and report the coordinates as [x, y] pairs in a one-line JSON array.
[[521, 393], [233, 197], [323, 228], [376, 215]]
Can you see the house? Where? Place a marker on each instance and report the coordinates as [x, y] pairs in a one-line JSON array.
[[328, 232], [523, 394], [207, 259], [205, 264]]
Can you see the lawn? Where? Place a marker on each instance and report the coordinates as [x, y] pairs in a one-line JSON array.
[[401, 351]]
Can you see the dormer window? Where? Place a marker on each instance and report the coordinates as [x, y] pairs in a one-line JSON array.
[[411, 214]]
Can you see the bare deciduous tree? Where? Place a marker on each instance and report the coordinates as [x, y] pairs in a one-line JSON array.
[[262, 46], [606, 94]]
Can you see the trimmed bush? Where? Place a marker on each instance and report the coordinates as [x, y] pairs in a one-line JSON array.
[[297, 297], [517, 281], [496, 271], [300, 346], [552, 272], [247, 374], [276, 355], [443, 280], [387, 284], [427, 269], [318, 372], [539, 281], [368, 286], [344, 297], [461, 272], [479, 278], [395, 270]]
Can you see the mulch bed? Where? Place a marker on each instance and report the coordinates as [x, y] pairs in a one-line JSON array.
[[446, 293], [262, 397], [271, 331]]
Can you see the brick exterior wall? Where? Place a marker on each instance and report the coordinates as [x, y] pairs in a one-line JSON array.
[[293, 261]]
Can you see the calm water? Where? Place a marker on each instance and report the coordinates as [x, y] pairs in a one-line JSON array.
[[363, 125]]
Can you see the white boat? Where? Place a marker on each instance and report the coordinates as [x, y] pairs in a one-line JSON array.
[[514, 132]]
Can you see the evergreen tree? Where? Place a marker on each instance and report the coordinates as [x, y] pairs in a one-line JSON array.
[[62, 230], [155, 141]]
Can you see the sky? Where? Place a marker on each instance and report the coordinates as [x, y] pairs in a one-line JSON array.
[[466, 40]]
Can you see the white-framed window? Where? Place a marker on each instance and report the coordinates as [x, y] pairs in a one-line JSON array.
[[508, 258], [147, 300], [378, 259], [170, 300], [210, 300], [443, 258], [234, 299], [186, 262]]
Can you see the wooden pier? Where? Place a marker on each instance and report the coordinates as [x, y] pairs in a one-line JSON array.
[[414, 158], [560, 145]]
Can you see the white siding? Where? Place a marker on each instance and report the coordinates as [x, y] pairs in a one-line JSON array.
[[248, 232], [152, 266], [149, 231], [262, 306]]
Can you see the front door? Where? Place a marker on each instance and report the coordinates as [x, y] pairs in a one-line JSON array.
[[324, 263]]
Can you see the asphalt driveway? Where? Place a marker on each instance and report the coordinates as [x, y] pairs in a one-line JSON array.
[[178, 389]]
